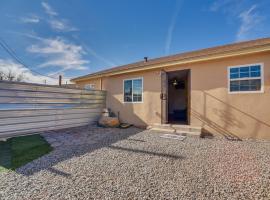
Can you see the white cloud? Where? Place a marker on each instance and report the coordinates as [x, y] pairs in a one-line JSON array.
[[221, 4], [249, 21], [99, 57], [94, 53], [48, 9], [57, 24], [171, 28], [61, 25], [59, 53], [17, 70], [30, 19]]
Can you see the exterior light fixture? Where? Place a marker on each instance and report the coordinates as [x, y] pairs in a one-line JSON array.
[[175, 82]]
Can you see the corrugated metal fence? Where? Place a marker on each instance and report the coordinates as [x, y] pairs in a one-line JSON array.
[[32, 108]]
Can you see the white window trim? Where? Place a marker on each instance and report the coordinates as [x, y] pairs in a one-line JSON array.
[[91, 86], [131, 79], [246, 92]]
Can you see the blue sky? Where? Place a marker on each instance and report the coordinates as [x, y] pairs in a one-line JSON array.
[[76, 37]]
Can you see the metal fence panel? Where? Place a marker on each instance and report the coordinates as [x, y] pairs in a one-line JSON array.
[[31, 108]]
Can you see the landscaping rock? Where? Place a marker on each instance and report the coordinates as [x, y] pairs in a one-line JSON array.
[[136, 164], [109, 121]]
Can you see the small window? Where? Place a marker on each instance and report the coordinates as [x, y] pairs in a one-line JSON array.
[[133, 90], [89, 86], [246, 78]]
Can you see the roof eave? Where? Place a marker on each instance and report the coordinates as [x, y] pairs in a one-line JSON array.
[[178, 62]]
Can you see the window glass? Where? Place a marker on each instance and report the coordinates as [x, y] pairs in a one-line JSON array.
[[128, 91], [234, 86], [244, 69], [255, 74], [246, 78], [234, 75], [89, 86], [244, 74], [255, 68], [137, 90], [133, 90], [255, 85], [234, 70], [244, 85]]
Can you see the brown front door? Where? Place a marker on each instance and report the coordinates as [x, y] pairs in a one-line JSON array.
[[164, 97]]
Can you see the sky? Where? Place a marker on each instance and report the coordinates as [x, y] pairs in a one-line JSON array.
[[78, 37]]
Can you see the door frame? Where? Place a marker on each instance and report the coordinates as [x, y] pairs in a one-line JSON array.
[[165, 98], [188, 96]]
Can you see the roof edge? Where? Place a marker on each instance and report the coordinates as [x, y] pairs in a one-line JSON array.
[[213, 56]]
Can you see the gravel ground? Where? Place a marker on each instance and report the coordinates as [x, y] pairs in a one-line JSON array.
[[98, 163]]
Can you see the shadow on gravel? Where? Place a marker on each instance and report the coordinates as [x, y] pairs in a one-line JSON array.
[[136, 140], [175, 157], [100, 137], [58, 172]]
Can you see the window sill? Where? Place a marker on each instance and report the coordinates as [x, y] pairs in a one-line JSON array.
[[247, 92], [133, 102]]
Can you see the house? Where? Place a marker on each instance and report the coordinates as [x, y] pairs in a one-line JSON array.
[[224, 89]]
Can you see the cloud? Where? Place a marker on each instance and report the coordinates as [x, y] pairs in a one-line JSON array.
[[48, 9], [59, 53], [249, 19], [99, 57], [30, 19], [56, 23], [93, 53], [61, 25], [171, 28], [220, 4], [17, 70]]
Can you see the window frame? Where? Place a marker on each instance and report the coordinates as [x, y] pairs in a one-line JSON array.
[[92, 86], [248, 78], [132, 79]]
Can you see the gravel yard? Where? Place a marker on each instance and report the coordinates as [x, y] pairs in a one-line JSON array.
[[99, 163]]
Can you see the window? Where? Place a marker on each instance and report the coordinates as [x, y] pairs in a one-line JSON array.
[[133, 90], [248, 78], [89, 86]]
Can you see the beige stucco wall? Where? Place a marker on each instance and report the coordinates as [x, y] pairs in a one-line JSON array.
[[140, 114], [241, 115]]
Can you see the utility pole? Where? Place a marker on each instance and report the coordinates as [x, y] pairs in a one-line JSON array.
[[60, 80]]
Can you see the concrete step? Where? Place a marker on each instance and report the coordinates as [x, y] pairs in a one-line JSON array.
[[169, 130], [187, 128], [180, 129]]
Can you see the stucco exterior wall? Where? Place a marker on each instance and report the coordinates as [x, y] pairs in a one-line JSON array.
[[211, 106], [240, 115], [140, 114], [243, 115]]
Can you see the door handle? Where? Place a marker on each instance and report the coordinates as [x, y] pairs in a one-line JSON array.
[[163, 96]]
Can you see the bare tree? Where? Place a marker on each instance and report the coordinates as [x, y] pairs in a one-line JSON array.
[[2, 75], [20, 77], [11, 76]]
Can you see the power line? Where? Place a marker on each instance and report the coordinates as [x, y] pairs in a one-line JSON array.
[[12, 53]]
